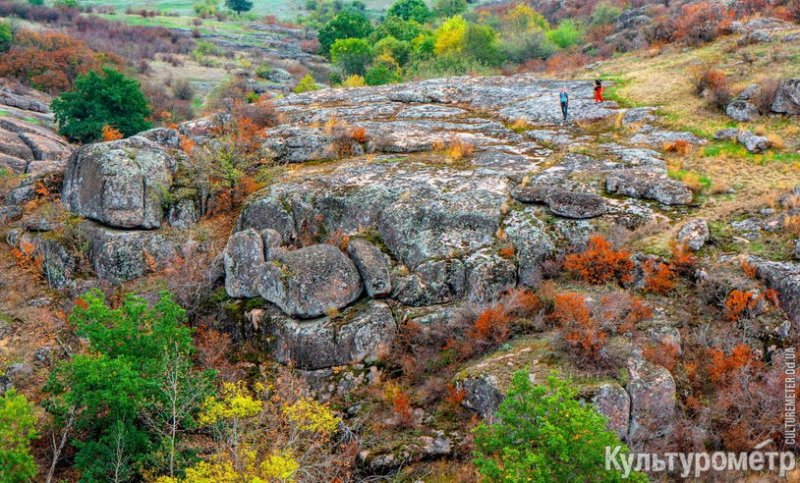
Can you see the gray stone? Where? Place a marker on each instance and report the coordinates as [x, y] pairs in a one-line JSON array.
[[741, 111], [648, 185], [120, 183], [482, 395], [754, 144], [122, 255], [372, 265], [488, 276], [726, 134], [785, 278], [360, 336], [576, 205], [531, 244], [787, 99], [613, 402], [183, 214], [432, 282], [652, 392], [694, 234], [307, 282], [244, 262]]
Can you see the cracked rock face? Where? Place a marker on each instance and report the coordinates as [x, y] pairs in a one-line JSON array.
[[121, 184], [28, 143]]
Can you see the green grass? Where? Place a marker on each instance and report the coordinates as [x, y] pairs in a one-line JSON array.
[[731, 148]]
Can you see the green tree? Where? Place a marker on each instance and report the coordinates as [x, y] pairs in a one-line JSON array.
[[133, 392], [605, 14], [384, 71], [448, 8], [567, 34], [107, 99], [403, 30], [17, 430], [351, 56], [38, 3], [480, 42], [306, 84], [6, 36], [410, 10], [239, 6], [346, 24], [397, 49], [544, 434]]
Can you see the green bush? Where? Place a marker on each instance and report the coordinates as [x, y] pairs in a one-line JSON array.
[[17, 430], [351, 56], [37, 3], [381, 74], [404, 30], [449, 8], [347, 24], [106, 99], [410, 10], [480, 42], [306, 84], [544, 434], [399, 50], [605, 14], [529, 45], [567, 34], [6, 36], [131, 387]]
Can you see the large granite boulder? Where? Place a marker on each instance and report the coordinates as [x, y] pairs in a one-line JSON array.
[[648, 185], [121, 183], [785, 278], [310, 281], [652, 392], [741, 111], [244, 262], [358, 334], [787, 99], [694, 234], [373, 266]]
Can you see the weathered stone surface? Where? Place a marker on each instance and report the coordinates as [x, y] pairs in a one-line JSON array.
[[432, 282], [741, 111], [785, 278], [307, 282], [120, 255], [657, 139], [488, 276], [359, 334], [482, 395], [531, 243], [652, 392], [613, 402], [576, 205], [120, 183], [787, 99], [642, 184], [753, 143], [244, 262], [694, 234], [373, 267]]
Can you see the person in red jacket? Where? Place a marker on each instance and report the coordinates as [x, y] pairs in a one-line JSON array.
[[598, 91]]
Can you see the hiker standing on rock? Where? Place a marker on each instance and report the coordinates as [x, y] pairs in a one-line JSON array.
[[598, 91], [564, 97]]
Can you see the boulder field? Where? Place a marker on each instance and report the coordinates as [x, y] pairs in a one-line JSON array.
[[453, 192]]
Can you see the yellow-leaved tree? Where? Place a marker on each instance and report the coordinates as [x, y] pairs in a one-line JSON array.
[[450, 36], [261, 439]]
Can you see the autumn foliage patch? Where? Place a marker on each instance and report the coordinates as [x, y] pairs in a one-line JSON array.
[[600, 263]]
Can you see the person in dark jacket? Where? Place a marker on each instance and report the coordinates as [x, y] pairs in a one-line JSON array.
[[564, 98]]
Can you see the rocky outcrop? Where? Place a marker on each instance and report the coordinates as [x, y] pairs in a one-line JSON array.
[[122, 184], [652, 402], [28, 141], [694, 234], [647, 185], [741, 111], [310, 281], [358, 334], [373, 267], [785, 278], [787, 99]]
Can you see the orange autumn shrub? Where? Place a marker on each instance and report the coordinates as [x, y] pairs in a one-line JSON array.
[[659, 278], [739, 303], [722, 366], [577, 327], [682, 261], [111, 134], [600, 263]]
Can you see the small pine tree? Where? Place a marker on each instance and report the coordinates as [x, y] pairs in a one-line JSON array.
[[239, 6], [543, 433], [107, 99]]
